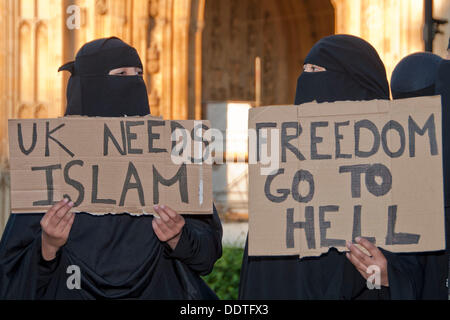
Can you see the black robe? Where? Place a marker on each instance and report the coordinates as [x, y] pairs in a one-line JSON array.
[[328, 277], [119, 257], [355, 72]]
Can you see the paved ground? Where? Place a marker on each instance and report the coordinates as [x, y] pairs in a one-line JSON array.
[[234, 233]]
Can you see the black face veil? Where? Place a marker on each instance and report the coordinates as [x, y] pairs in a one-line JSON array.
[[91, 91], [354, 71], [415, 76]]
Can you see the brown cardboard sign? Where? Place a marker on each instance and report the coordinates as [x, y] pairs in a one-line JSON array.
[[321, 174], [109, 165]]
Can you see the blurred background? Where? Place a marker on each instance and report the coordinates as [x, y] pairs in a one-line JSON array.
[[203, 59]]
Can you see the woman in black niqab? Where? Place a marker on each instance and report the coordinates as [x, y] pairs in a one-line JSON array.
[[345, 68], [427, 74], [93, 91], [119, 256], [354, 71]]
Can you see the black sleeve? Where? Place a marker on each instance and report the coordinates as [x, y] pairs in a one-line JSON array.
[[19, 257], [375, 294], [200, 244], [435, 276], [46, 270], [24, 274], [406, 275]]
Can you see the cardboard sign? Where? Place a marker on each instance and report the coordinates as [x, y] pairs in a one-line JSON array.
[[109, 165], [330, 172]]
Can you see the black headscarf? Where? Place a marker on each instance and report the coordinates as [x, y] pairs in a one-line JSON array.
[[415, 76], [354, 71], [91, 91]]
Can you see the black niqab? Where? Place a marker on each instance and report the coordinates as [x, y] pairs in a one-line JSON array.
[[91, 91], [355, 72], [119, 256], [415, 76]]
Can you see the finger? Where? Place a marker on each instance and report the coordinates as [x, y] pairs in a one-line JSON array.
[[64, 221], [68, 225], [166, 218], [56, 218], [62, 212], [157, 210], [357, 263], [52, 211], [369, 246], [161, 236], [364, 274], [172, 213], [162, 213], [162, 226], [364, 258]]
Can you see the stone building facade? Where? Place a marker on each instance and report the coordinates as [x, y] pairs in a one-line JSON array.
[[193, 51]]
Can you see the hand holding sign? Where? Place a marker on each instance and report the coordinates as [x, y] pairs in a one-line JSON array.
[[362, 261], [168, 226], [56, 225]]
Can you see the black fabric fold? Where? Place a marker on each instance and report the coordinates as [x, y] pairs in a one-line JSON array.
[[195, 242], [119, 257]]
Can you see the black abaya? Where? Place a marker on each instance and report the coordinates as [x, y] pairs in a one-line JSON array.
[[119, 257]]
